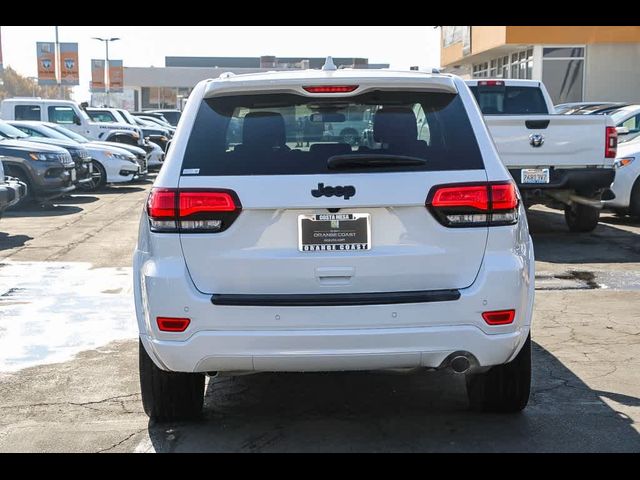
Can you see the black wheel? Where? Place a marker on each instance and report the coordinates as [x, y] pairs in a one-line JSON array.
[[581, 218], [98, 178], [503, 388], [28, 199], [350, 136], [169, 396], [634, 203]]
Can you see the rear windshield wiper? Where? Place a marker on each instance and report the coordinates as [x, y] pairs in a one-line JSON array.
[[373, 160]]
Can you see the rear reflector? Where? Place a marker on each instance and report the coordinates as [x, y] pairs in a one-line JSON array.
[[474, 205], [499, 317], [170, 324], [330, 88], [192, 211], [611, 143]]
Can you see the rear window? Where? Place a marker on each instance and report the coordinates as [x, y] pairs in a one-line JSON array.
[[27, 112], [501, 100], [288, 134]]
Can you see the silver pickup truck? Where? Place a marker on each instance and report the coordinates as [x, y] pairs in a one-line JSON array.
[[562, 161]]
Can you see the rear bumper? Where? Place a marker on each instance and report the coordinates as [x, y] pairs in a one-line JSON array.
[[336, 337], [326, 350], [576, 179]]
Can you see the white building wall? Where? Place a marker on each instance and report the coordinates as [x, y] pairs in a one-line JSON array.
[[612, 72]]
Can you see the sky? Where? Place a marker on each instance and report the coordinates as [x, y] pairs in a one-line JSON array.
[[401, 47]]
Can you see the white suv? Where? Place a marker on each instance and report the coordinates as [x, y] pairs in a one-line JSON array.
[[265, 246]]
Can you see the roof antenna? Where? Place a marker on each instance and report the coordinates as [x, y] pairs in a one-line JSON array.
[[329, 65]]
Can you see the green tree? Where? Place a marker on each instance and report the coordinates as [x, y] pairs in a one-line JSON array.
[[15, 85]]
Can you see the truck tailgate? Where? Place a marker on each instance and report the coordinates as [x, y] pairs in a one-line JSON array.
[[567, 141]]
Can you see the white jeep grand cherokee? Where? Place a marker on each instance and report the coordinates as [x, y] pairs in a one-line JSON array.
[[271, 243]]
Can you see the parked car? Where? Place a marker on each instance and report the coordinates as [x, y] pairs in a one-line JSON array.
[[588, 108], [562, 161], [157, 135], [158, 122], [170, 115], [11, 189], [157, 116], [264, 257], [143, 155], [70, 115], [47, 171], [80, 156], [111, 164], [626, 186], [627, 122]]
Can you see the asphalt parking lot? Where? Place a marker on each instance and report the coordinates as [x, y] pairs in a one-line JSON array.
[[68, 355]]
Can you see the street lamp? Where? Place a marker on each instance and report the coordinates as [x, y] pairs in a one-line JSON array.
[[107, 84], [34, 82]]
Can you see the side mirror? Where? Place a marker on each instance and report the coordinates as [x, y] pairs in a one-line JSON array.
[[622, 130], [77, 121]]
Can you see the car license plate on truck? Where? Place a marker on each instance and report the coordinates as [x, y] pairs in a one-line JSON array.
[[534, 175], [334, 231]]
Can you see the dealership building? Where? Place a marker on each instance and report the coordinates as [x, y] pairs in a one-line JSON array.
[[575, 63], [169, 86]]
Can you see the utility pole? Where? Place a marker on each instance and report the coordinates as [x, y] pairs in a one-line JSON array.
[[58, 67], [107, 84]]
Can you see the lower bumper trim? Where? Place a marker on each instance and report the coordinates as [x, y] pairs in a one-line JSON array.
[[320, 300]]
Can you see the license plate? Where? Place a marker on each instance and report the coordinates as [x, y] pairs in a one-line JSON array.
[[73, 175], [534, 175], [334, 232]]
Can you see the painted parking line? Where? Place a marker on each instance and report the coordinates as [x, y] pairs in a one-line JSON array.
[[50, 311]]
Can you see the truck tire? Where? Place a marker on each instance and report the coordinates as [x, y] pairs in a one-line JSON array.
[[169, 396], [28, 199], [350, 136], [581, 218], [503, 388]]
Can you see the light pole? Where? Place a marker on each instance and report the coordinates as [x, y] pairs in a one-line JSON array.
[[34, 82], [107, 84]]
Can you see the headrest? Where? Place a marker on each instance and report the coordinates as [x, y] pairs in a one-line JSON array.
[[395, 125], [263, 130]]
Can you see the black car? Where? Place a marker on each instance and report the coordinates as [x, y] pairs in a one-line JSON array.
[[47, 171], [79, 154]]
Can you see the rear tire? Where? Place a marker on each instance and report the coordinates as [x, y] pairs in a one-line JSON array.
[[503, 388], [169, 396], [634, 202], [581, 218]]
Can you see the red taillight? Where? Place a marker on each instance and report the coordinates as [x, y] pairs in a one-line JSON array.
[[192, 211], [491, 83], [504, 196], [611, 143], [197, 202], [170, 324], [330, 88], [161, 203], [474, 205], [476, 196], [499, 317]]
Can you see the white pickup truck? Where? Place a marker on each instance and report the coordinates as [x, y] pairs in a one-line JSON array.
[[69, 115], [562, 161]]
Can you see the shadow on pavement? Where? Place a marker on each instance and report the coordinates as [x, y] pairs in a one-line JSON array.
[[554, 243], [118, 190], [385, 412], [8, 241], [50, 210], [76, 199]]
